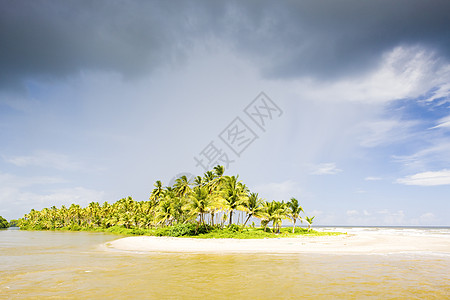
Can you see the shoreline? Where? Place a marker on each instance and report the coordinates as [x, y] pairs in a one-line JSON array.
[[351, 243]]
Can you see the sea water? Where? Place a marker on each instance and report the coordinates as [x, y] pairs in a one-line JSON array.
[[73, 265]]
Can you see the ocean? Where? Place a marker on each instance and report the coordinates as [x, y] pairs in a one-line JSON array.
[[73, 265]]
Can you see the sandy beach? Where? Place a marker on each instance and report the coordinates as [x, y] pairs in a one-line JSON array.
[[351, 243]]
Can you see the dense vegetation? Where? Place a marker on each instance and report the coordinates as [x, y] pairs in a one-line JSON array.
[[3, 223], [209, 205], [13, 223]]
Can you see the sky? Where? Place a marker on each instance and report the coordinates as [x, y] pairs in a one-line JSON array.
[[344, 105]]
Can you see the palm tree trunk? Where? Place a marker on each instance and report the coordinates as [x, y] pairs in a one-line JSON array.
[[249, 215], [231, 217], [293, 227], [224, 218]]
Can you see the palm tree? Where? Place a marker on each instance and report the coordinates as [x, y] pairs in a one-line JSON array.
[[213, 181], [219, 171], [276, 211], [64, 215], [126, 210], [201, 202], [182, 186], [234, 194], [94, 213], [164, 214], [157, 193], [208, 180], [75, 214], [219, 179], [294, 211], [145, 214], [178, 212], [309, 221], [108, 218], [198, 181], [253, 206]]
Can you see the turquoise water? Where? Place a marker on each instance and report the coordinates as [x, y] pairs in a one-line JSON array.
[[72, 265]]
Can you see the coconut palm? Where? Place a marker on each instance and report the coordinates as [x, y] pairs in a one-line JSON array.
[[219, 178], [64, 216], [126, 211], [264, 222], [164, 214], [201, 202], [253, 206], [144, 214], [108, 218], [309, 221], [182, 186], [157, 193], [294, 210], [234, 194], [219, 171], [198, 181], [212, 182], [93, 213], [208, 180], [75, 213], [277, 211], [178, 209]]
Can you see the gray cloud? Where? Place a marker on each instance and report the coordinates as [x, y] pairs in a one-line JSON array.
[[324, 39], [48, 39], [336, 38]]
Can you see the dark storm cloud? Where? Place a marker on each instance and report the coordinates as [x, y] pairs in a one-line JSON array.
[[57, 38], [48, 39], [338, 38]]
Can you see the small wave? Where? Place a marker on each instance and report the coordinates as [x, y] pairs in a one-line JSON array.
[[405, 231]]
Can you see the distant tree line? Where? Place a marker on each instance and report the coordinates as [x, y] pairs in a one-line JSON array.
[[3, 223]]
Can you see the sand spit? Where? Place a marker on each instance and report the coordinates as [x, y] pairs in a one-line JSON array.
[[354, 243]]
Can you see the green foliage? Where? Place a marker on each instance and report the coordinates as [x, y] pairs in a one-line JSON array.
[[14, 223], [259, 233], [188, 229], [187, 208], [3, 223], [232, 234], [233, 228], [74, 227], [234, 194], [126, 231]]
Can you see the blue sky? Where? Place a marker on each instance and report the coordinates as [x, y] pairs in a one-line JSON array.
[[100, 99]]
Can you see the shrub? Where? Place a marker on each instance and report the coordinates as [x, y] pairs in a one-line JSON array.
[[75, 227], [14, 223], [234, 228], [189, 229], [3, 223], [138, 231], [182, 230]]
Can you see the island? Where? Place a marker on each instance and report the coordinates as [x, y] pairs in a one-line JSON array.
[[214, 205]]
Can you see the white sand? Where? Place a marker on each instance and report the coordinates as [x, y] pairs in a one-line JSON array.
[[355, 243]]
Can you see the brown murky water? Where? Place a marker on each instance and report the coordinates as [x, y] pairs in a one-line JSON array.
[[71, 265]]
